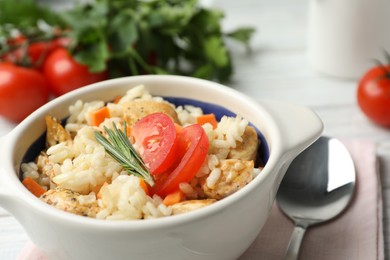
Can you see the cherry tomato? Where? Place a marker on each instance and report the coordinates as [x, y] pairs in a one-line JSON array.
[[65, 74], [22, 91], [373, 95], [155, 136], [37, 52], [194, 144]]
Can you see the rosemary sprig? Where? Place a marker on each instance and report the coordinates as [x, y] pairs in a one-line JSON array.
[[119, 147]]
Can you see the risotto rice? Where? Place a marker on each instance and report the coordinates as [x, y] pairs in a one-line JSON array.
[[80, 177]]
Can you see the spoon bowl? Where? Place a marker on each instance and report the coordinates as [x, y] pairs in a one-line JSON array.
[[317, 187]]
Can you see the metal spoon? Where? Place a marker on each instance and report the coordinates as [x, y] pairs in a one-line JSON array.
[[317, 187]]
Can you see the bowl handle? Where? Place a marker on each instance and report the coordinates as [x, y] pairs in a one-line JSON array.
[[299, 126], [7, 199]]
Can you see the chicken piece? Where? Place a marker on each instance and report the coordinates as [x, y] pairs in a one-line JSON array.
[[247, 149], [235, 174], [137, 109], [45, 166], [190, 205], [56, 133], [70, 201]]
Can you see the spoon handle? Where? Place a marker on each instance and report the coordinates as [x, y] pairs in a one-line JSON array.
[[295, 243]]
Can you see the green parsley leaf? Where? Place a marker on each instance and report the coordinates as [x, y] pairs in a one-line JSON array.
[[242, 34], [216, 51]]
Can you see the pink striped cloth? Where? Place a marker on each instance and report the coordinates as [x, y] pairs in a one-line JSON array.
[[357, 234]]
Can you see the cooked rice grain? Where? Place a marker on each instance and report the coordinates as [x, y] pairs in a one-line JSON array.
[[213, 178], [59, 153], [188, 114], [30, 170]]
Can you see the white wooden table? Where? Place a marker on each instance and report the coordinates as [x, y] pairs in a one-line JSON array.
[[276, 69]]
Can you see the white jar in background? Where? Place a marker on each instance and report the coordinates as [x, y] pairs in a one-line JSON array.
[[344, 36]]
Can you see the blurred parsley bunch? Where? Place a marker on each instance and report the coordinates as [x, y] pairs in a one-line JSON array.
[[131, 37]]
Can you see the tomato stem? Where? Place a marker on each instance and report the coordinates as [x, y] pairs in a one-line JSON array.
[[387, 66], [17, 47]]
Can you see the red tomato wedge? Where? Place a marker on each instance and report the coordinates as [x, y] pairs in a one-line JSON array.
[[155, 135], [193, 145]]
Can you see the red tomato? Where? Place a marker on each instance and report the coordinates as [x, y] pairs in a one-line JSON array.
[[37, 52], [22, 91], [194, 144], [373, 95], [155, 135], [65, 74], [14, 41], [15, 55]]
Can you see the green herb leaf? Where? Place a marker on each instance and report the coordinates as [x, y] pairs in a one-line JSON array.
[[25, 13], [204, 72], [95, 55], [216, 51], [123, 33], [170, 19], [242, 34]]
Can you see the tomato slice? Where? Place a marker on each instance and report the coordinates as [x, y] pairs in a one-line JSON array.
[[155, 135], [194, 145]]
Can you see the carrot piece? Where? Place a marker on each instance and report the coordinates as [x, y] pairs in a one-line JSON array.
[[177, 127], [98, 116], [174, 197], [116, 99], [207, 118], [99, 194], [129, 131], [33, 186], [144, 186]]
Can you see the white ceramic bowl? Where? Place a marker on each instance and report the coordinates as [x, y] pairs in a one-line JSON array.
[[223, 230]]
